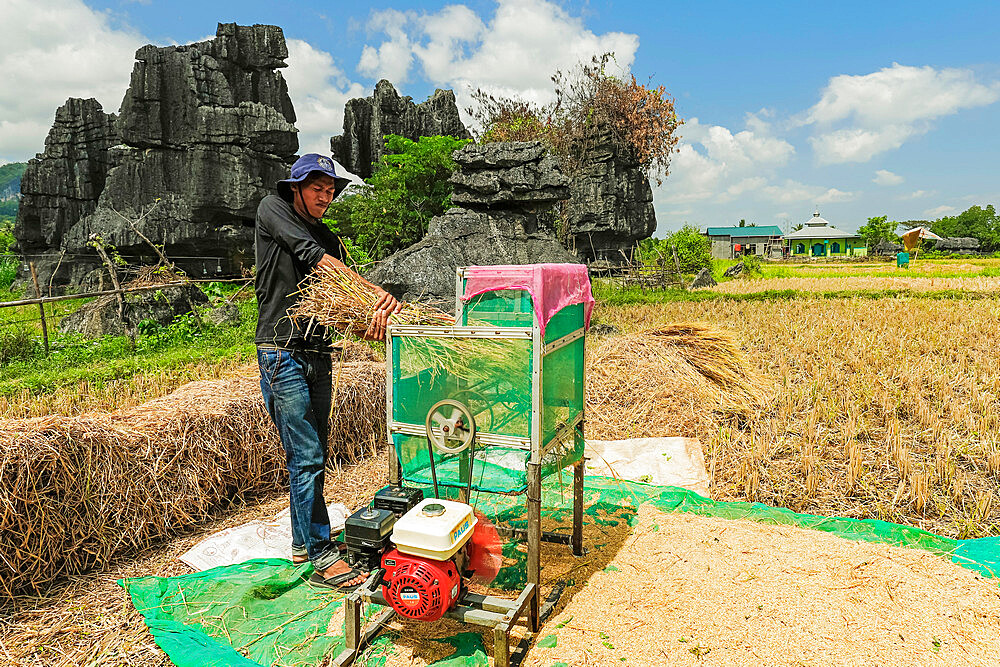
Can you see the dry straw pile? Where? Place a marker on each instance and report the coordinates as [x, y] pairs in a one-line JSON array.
[[678, 379], [74, 492]]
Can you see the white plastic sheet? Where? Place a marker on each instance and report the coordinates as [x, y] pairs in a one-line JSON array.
[[660, 461], [271, 538]]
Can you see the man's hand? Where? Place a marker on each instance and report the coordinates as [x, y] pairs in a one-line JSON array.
[[385, 307]]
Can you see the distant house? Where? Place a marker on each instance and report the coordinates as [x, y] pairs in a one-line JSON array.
[[731, 242], [818, 238]]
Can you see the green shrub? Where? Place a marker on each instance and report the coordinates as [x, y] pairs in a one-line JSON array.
[[409, 187], [6, 235], [694, 250], [8, 272], [752, 265]]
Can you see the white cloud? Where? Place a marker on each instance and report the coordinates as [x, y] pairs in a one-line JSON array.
[[791, 191], [940, 211], [886, 177], [393, 58], [54, 50], [514, 53], [919, 194], [714, 163], [880, 111], [319, 90]]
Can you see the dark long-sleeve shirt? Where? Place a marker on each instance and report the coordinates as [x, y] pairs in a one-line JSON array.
[[287, 249]]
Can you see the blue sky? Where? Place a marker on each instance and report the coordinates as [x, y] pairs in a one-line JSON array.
[[862, 109]]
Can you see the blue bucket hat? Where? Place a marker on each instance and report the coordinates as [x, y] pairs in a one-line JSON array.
[[307, 164]]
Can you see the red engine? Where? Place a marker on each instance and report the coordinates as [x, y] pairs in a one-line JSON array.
[[419, 588]]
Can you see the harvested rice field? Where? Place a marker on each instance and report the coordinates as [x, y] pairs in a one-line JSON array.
[[883, 409], [915, 283], [862, 408], [654, 588]]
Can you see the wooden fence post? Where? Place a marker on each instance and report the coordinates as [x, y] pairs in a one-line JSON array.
[[41, 306]]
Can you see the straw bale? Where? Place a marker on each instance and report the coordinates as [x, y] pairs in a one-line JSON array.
[[76, 491], [89, 617]]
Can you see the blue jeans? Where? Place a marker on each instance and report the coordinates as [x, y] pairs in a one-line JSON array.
[[297, 392]]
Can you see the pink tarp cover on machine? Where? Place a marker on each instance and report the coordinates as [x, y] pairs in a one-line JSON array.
[[552, 286]]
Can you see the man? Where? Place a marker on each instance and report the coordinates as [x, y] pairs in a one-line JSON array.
[[295, 369]]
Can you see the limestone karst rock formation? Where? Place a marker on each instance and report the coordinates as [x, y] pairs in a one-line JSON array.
[[367, 121], [204, 131], [62, 184], [611, 202], [502, 191]]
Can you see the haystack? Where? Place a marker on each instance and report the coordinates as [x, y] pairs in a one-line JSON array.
[[76, 491], [678, 380]]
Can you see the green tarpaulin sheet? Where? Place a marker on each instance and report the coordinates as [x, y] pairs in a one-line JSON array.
[[263, 613]]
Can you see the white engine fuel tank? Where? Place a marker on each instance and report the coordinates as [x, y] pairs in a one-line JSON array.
[[434, 529]]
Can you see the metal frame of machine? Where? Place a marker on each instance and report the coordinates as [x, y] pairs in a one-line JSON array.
[[499, 613]]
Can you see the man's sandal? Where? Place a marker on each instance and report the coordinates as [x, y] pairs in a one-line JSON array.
[[333, 583], [300, 560]]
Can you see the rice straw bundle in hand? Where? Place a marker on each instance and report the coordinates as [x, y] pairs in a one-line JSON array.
[[345, 302]]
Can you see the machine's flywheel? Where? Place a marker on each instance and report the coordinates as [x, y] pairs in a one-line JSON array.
[[450, 426]]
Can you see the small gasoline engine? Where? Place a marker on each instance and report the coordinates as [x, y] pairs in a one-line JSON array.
[[423, 546]]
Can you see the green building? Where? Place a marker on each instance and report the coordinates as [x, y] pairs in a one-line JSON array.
[[818, 238]]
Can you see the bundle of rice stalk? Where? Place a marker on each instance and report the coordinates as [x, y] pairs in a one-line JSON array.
[[676, 380], [344, 302], [716, 355]]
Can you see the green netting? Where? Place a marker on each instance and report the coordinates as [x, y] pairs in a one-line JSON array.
[[263, 613], [493, 377]]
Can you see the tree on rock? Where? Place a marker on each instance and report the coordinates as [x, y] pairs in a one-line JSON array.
[[641, 118], [409, 187]]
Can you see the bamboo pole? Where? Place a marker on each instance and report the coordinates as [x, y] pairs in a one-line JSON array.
[[41, 306], [124, 290]]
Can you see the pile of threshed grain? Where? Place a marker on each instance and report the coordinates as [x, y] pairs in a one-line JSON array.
[[76, 491], [679, 379], [691, 590]]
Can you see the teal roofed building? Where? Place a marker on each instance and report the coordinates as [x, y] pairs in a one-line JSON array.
[[732, 242], [818, 238]]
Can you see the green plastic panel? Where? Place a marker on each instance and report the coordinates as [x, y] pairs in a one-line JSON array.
[[565, 322], [494, 470], [490, 375], [502, 308]]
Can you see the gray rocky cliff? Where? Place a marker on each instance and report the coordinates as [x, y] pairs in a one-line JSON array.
[[503, 191], [611, 201], [63, 183], [367, 121], [204, 132]]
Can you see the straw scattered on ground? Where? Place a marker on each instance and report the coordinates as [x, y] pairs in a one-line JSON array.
[[690, 590]]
